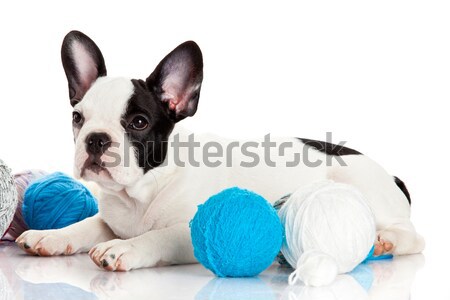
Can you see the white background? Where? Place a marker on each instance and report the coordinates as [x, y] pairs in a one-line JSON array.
[[376, 74]]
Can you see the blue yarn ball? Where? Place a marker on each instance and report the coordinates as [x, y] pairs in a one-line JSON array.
[[371, 256], [56, 201], [236, 233]]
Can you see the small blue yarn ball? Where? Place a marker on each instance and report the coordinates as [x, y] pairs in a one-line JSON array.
[[56, 201], [236, 233]]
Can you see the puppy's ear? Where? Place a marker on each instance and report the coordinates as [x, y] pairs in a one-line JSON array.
[[177, 80], [83, 63]]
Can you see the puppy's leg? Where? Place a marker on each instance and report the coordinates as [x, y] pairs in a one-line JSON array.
[[388, 202], [167, 246], [76, 238], [401, 239]]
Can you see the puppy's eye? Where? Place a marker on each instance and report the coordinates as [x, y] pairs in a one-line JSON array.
[[76, 117], [138, 123]]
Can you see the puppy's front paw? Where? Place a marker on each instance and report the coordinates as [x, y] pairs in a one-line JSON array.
[[44, 243], [115, 255]]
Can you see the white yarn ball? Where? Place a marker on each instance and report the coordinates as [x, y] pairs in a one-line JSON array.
[[329, 230], [8, 198]]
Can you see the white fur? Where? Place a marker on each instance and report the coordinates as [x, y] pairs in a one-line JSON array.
[[105, 101], [149, 213]]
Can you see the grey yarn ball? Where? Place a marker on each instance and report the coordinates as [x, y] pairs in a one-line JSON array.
[[8, 198]]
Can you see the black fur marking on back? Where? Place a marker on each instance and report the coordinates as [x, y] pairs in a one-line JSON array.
[[401, 185], [329, 148]]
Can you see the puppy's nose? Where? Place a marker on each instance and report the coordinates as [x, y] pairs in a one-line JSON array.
[[97, 143]]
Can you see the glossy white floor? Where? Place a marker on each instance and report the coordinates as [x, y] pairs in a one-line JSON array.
[[76, 277]]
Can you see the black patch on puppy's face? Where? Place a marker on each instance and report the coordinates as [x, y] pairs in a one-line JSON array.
[[150, 141], [170, 94]]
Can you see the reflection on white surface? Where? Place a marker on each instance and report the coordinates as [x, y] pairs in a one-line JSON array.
[[6, 291], [393, 279], [349, 286], [236, 288], [76, 277], [344, 287], [385, 279]]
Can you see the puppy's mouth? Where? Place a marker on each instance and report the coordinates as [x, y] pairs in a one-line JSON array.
[[94, 165]]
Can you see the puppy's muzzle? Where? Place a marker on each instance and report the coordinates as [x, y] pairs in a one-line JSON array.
[[96, 145]]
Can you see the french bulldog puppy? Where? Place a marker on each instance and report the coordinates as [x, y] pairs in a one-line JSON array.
[[128, 140]]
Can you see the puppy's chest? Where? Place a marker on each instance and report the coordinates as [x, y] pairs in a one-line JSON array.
[[127, 218]]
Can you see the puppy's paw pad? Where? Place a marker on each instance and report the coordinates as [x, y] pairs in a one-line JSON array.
[[383, 246]]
